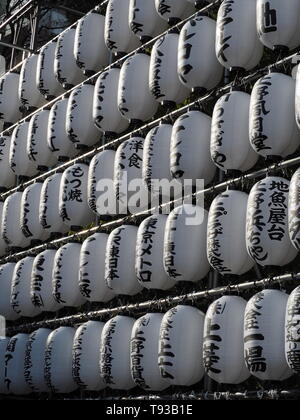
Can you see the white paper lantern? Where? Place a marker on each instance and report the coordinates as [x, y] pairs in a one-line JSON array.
[[227, 219], [273, 130], [117, 34], [237, 42], [49, 217], [174, 10], [223, 348], [90, 51], [106, 114], [264, 336], [20, 289], [86, 356], [57, 137], [58, 361], [115, 353], [144, 21], [65, 276], [9, 98], [19, 160], [79, 124], [180, 346], [6, 277], [65, 68], [101, 170], [7, 176], [29, 215], [120, 261], [128, 176], [149, 266], [92, 282], [164, 82], [294, 210], [73, 206], [189, 154], [144, 353], [11, 223], [14, 365], [3, 244], [267, 233], [277, 25], [37, 146], [198, 67], [292, 322], [47, 83], [185, 244], [35, 360], [156, 160], [135, 100], [30, 96], [41, 282], [3, 345], [230, 148]]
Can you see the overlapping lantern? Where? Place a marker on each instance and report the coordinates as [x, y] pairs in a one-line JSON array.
[[46, 81], [6, 278], [19, 161], [9, 98]]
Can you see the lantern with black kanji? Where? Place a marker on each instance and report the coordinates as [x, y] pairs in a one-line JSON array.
[[47, 83], [6, 277], [9, 98], [30, 96]]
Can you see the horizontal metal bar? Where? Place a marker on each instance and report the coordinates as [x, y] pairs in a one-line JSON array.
[[16, 47], [158, 304]]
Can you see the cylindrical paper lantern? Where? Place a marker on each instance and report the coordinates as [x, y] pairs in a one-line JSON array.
[[117, 34], [185, 243], [14, 365], [267, 232], [115, 353], [3, 345], [11, 222], [264, 336], [65, 276], [292, 321], [73, 206], [7, 176], [41, 282], [294, 210], [164, 81], [49, 217], [101, 171], [86, 356], [79, 124], [35, 360], [180, 346], [223, 348], [144, 353], [47, 83], [20, 289], [227, 225], [106, 114], [92, 282], [90, 51], [37, 146], [174, 10], [230, 148], [29, 215], [30, 96], [144, 21], [273, 130], [58, 361], [3, 244], [65, 68], [237, 42], [6, 277], [135, 100], [57, 137], [190, 155], [149, 266], [9, 98], [278, 23], [120, 261], [19, 160], [198, 67]]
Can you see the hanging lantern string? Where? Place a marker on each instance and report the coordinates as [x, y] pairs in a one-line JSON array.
[[161, 305], [109, 226]]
